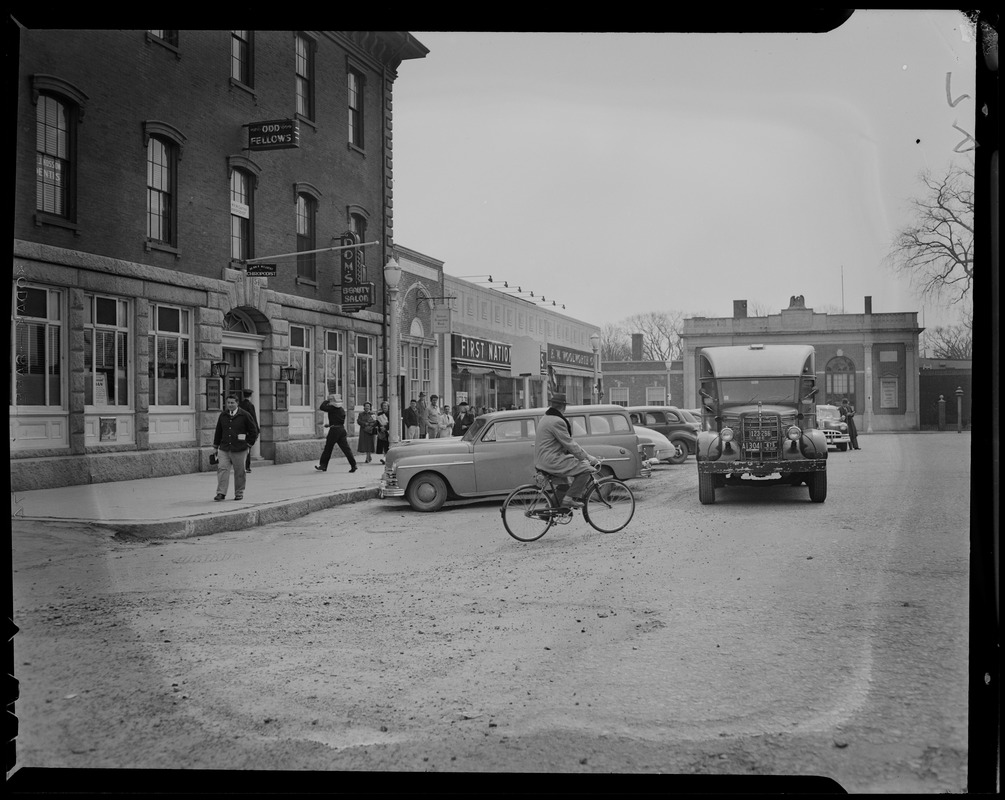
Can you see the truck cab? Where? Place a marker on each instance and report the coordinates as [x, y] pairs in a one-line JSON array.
[[759, 419]]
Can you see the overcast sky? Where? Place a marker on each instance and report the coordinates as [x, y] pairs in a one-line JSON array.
[[626, 173]]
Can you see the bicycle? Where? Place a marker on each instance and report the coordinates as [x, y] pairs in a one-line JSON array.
[[530, 510]]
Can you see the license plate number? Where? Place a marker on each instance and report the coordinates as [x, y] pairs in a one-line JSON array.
[[757, 435]]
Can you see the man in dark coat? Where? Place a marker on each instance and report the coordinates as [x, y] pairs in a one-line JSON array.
[[236, 431], [847, 412], [247, 405], [463, 420], [336, 433]]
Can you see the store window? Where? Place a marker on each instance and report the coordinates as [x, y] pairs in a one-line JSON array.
[[106, 351], [334, 356], [619, 395], [366, 370], [300, 357], [37, 331], [170, 343]]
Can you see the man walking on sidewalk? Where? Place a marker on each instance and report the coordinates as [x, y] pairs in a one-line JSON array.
[[336, 433], [235, 433]]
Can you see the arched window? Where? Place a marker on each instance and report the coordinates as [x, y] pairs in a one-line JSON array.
[[839, 379], [239, 322]]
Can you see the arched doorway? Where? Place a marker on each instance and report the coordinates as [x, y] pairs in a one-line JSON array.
[[244, 334], [839, 380]]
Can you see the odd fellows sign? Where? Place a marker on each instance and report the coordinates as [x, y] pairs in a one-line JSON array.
[[357, 293], [479, 352], [273, 134]]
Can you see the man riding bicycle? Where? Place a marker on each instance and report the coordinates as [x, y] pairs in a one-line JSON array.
[[556, 452]]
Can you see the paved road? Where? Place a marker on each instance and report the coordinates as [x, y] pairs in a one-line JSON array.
[[765, 635]]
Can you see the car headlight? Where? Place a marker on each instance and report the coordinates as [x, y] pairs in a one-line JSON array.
[[727, 434], [794, 433]]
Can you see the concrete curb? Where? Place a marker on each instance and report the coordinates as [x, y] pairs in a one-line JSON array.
[[206, 524]]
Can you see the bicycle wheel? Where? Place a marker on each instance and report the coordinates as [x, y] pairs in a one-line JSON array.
[[610, 505], [527, 513]]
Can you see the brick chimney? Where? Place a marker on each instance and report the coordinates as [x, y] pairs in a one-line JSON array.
[[868, 304], [739, 309], [636, 347]]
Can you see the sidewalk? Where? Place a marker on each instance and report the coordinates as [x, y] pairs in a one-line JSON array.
[[182, 506]]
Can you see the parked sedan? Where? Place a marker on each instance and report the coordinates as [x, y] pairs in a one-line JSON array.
[[496, 454], [671, 422], [836, 431], [656, 446]]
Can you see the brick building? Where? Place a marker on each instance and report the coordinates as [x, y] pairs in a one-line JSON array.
[[872, 359], [153, 170], [642, 382]]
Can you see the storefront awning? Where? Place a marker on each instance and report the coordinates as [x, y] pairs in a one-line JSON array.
[[480, 369], [572, 372]]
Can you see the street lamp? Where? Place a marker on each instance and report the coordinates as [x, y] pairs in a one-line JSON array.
[[392, 275], [595, 342]]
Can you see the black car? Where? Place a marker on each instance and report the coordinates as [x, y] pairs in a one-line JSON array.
[[672, 423]]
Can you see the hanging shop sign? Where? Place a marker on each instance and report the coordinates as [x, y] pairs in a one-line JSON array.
[[356, 292], [273, 134], [567, 357], [479, 352], [262, 270], [357, 297], [440, 319]]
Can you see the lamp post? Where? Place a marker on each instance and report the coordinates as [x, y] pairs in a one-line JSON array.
[[595, 342], [392, 275]]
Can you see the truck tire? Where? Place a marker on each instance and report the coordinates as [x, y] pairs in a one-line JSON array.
[[817, 481], [706, 488]]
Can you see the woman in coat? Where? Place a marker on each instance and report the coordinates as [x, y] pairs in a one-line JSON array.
[[367, 432]]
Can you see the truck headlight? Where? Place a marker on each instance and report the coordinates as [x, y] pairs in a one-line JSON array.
[[794, 433], [726, 434]]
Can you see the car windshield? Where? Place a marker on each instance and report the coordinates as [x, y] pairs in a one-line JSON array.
[[474, 430], [744, 391]]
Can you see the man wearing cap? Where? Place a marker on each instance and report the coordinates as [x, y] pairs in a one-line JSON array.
[[463, 420], [247, 405], [430, 420], [556, 452], [336, 433]]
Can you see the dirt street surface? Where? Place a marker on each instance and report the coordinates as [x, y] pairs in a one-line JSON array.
[[764, 635]]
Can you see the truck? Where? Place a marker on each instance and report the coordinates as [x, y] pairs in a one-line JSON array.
[[759, 419]]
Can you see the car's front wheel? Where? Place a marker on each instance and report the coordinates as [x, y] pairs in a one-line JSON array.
[[427, 491], [817, 481], [706, 488]]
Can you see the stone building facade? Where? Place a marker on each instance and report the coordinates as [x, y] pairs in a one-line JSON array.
[[177, 196], [873, 359]]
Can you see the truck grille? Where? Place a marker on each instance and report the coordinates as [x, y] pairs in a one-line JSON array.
[[758, 435]]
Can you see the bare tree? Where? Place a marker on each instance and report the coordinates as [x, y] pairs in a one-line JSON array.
[[950, 341], [615, 343], [660, 331], [936, 250]]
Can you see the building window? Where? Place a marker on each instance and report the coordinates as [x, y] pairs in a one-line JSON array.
[[241, 50], [160, 191], [166, 37], [334, 356], [619, 395], [656, 396], [357, 224], [307, 208], [839, 379], [300, 357], [37, 331], [366, 370], [54, 157], [305, 76], [170, 356], [241, 214], [106, 351], [419, 359], [356, 86]]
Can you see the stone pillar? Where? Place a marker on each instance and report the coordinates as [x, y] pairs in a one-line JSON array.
[[75, 371]]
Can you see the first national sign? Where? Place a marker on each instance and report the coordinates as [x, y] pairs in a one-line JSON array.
[[273, 134]]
